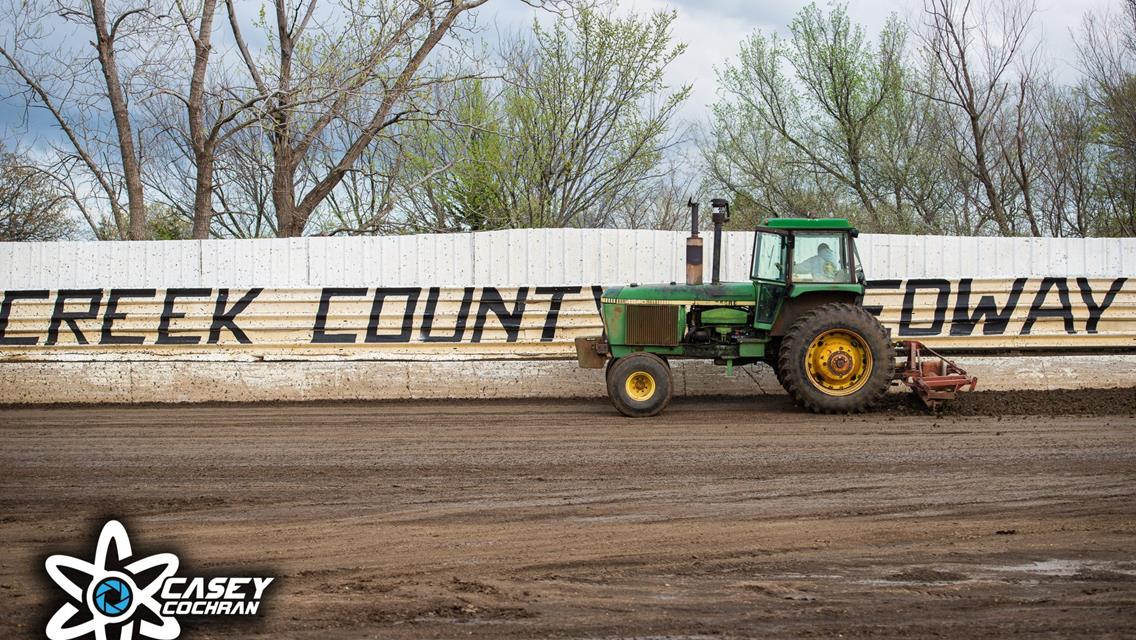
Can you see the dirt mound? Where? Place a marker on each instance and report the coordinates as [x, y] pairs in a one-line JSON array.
[[1065, 402]]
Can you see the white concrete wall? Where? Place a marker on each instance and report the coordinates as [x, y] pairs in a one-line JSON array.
[[282, 363], [533, 257]]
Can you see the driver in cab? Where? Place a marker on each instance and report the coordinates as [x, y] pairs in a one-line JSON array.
[[822, 266]]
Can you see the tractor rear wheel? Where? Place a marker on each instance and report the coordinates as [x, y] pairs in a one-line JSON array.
[[639, 385], [836, 358], [780, 376], [774, 362]]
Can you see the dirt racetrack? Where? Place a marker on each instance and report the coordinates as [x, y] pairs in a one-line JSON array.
[[723, 518]]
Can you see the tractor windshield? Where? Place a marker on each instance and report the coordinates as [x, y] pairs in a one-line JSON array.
[[769, 257], [820, 257]]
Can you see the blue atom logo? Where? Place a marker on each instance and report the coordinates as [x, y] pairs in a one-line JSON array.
[[112, 597]]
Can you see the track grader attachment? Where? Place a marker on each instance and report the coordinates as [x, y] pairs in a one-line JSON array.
[[932, 377]]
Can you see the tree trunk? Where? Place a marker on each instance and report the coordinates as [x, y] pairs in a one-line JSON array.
[[202, 141], [289, 222], [131, 167], [203, 194]]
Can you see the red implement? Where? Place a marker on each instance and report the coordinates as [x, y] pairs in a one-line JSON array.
[[934, 378]]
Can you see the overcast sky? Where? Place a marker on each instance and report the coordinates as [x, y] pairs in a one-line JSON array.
[[713, 29]]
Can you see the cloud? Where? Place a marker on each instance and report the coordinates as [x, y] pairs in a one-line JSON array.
[[711, 29]]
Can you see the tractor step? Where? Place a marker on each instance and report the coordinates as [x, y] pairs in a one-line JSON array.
[[932, 377]]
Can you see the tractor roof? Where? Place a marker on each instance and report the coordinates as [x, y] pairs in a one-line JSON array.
[[808, 224]]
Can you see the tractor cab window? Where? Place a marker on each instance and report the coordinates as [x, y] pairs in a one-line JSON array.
[[769, 257], [820, 257]]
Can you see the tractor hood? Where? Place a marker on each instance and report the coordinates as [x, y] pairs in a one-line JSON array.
[[721, 293]]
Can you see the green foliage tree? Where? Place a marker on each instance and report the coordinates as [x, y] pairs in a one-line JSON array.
[[1108, 56], [166, 223], [32, 206], [456, 165], [804, 144], [577, 130]]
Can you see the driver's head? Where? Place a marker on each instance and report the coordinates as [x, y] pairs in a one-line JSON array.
[[824, 251]]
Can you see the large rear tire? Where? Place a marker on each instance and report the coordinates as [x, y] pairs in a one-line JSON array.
[[836, 358], [774, 362], [640, 385], [780, 376]]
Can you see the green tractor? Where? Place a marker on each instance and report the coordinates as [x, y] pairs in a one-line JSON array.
[[801, 313]]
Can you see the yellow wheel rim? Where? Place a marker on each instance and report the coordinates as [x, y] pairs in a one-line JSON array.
[[640, 386], [839, 362]]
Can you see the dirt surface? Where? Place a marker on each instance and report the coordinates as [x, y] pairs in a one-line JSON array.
[[722, 518]]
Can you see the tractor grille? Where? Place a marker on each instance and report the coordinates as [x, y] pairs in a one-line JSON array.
[[652, 324]]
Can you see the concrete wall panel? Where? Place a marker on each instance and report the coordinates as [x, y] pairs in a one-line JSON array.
[[179, 381], [536, 257]]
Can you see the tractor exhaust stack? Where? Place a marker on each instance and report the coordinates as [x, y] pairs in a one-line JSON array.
[[720, 216], [693, 248]]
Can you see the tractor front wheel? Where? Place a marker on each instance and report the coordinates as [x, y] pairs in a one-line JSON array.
[[639, 385], [836, 358]]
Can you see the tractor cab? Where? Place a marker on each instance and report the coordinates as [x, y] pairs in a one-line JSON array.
[[793, 257]]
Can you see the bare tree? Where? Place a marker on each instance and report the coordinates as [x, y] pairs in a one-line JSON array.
[[364, 201], [1067, 170], [975, 51], [660, 203], [1017, 134], [321, 63], [58, 80], [214, 111], [908, 165], [243, 186]]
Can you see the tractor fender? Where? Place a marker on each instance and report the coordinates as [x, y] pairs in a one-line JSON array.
[[794, 308]]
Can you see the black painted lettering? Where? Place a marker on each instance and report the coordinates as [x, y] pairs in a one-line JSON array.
[[940, 313], [10, 297], [60, 315], [226, 318], [459, 322], [883, 285], [511, 321], [411, 294], [1095, 311], [168, 314], [557, 293], [319, 330], [111, 314], [597, 293], [1037, 310], [996, 320]]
